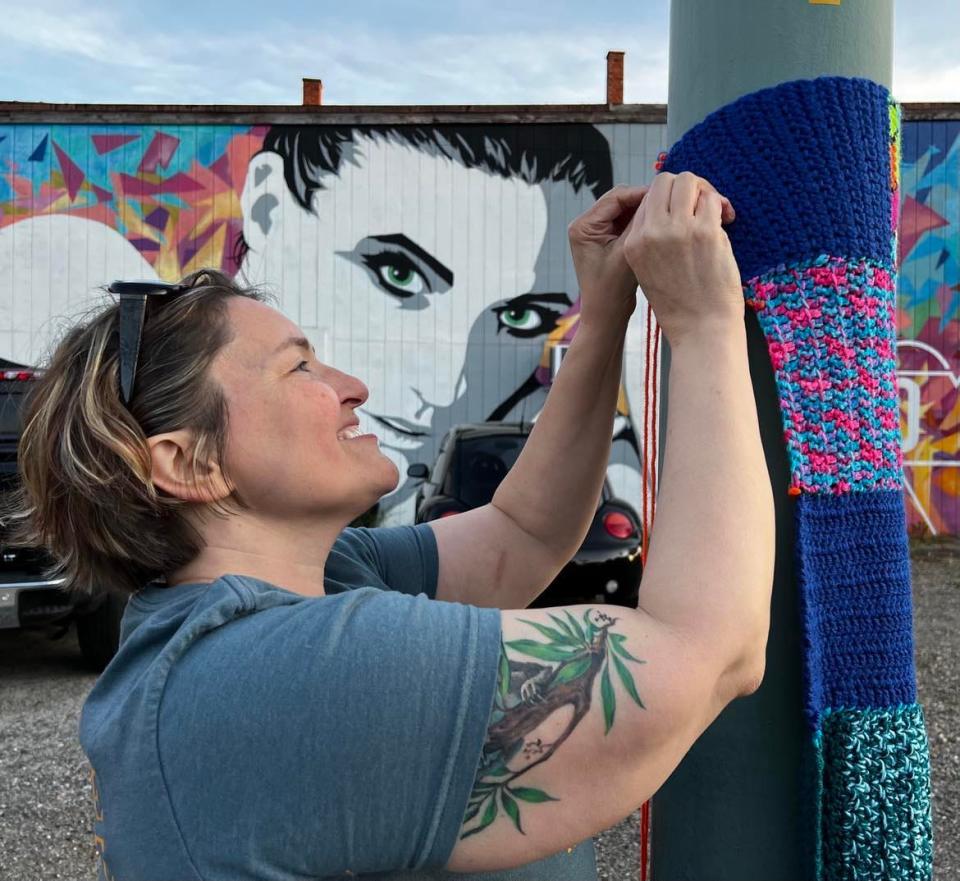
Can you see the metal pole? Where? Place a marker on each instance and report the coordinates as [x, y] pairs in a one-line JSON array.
[[732, 810]]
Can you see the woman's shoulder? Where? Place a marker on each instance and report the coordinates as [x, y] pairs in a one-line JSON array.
[[397, 558]]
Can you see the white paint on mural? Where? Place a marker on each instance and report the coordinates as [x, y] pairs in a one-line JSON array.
[[52, 270]]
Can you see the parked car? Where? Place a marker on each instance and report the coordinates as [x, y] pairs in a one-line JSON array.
[[472, 461], [27, 597]]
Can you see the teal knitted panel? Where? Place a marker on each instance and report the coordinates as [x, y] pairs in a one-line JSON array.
[[872, 833]]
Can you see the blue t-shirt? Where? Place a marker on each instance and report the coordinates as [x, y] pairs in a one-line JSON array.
[[244, 731]]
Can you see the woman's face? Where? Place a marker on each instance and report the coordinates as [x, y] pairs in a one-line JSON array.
[[286, 451]]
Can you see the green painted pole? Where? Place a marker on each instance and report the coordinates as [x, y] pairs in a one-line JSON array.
[[732, 810]]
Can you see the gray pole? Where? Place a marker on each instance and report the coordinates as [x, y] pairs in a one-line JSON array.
[[731, 811]]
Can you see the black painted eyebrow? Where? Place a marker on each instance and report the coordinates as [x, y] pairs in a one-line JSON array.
[[400, 239], [523, 299]]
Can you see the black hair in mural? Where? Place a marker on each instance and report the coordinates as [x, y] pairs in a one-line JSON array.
[[574, 152], [577, 153]]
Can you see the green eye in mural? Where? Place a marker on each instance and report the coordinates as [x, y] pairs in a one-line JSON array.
[[521, 319], [529, 315], [396, 273], [398, 266]]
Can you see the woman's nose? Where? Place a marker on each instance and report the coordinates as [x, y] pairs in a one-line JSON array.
[[354, 392]]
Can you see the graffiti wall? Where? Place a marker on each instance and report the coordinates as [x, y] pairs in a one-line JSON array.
[[429, 260], [929, 324]]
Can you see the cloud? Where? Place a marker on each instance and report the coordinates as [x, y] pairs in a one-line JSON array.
[[109, 56], [114, 54]]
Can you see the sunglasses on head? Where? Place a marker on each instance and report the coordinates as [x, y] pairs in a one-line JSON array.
[[133, 306]]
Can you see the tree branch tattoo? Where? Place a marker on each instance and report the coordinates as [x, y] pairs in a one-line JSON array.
[[529, 693]]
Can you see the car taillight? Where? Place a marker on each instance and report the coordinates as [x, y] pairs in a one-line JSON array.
[[19, 374], [618, 525]]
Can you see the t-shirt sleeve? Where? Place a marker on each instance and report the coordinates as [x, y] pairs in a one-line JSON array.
[[404, 557], [333, 734]]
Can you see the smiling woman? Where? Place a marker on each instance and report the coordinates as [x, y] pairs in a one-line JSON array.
[[293, 697]]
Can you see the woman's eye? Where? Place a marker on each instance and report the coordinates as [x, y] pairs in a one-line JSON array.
[[397, 274], [303, 365]]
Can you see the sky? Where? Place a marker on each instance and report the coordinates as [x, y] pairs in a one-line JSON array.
[[381, 52]]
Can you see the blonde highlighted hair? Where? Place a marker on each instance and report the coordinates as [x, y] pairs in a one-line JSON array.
[[85, 493]]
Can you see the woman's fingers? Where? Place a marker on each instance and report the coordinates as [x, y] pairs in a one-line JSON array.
[[710, 207], [658, 199], [613, 203], [685, 193], [611, 213]]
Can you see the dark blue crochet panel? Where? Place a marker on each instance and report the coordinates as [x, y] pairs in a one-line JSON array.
[[807, 167], [854, 580]]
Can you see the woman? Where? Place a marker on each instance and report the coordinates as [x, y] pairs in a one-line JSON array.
[[293, 699]]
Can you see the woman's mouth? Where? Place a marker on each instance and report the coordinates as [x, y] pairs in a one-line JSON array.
[[352, 432]]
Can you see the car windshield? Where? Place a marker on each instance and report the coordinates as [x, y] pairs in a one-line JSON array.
[[10, 405], [479, 464]]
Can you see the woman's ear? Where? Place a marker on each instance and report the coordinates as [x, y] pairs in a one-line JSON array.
[[263, 201], [173, 469]]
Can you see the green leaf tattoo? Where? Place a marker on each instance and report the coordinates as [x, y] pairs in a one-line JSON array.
[[627, 680], [539, 650], [534, 796], [609, 701], [504, 676], [555, 635], [616, 643], [510, 806], [577, 629], [563, 626], [561, 675], [569, 672]]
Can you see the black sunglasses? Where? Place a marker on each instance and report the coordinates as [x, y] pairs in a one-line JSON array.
[[133, 306]]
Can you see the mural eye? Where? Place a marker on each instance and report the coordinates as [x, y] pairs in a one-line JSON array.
[[525, 318], [521, 319], [396, 273]]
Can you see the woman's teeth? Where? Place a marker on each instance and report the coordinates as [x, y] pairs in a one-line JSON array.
[[348, 433]]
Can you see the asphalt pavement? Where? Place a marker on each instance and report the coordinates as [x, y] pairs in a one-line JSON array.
[[46, 822]]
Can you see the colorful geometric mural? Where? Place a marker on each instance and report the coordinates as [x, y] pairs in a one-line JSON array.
[[172, 194], [929, 324], [430, 261]]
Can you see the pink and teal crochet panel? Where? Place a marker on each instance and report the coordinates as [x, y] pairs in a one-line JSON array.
[[812, 167]]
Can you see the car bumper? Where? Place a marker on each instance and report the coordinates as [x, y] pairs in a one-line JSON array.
[[28, 603]]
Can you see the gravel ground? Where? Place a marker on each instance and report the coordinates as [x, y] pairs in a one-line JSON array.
[[46, 829]]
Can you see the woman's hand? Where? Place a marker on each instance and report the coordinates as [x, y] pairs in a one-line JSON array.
[[608, 287], [682, 259]]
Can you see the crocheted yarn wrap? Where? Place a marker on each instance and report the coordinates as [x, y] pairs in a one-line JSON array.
[[831, 335], [809, 166], [812, 167], [873, 833], [853, 572]]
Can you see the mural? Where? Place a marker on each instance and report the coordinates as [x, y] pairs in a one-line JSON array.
[[929, 324], [429, 260]]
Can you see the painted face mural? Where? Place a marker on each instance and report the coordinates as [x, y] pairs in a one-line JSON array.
[[432, 262]]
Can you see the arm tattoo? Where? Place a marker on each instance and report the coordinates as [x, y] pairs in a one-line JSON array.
[[529, 693]]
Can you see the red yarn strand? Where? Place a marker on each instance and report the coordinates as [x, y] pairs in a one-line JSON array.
[[649, 440]]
